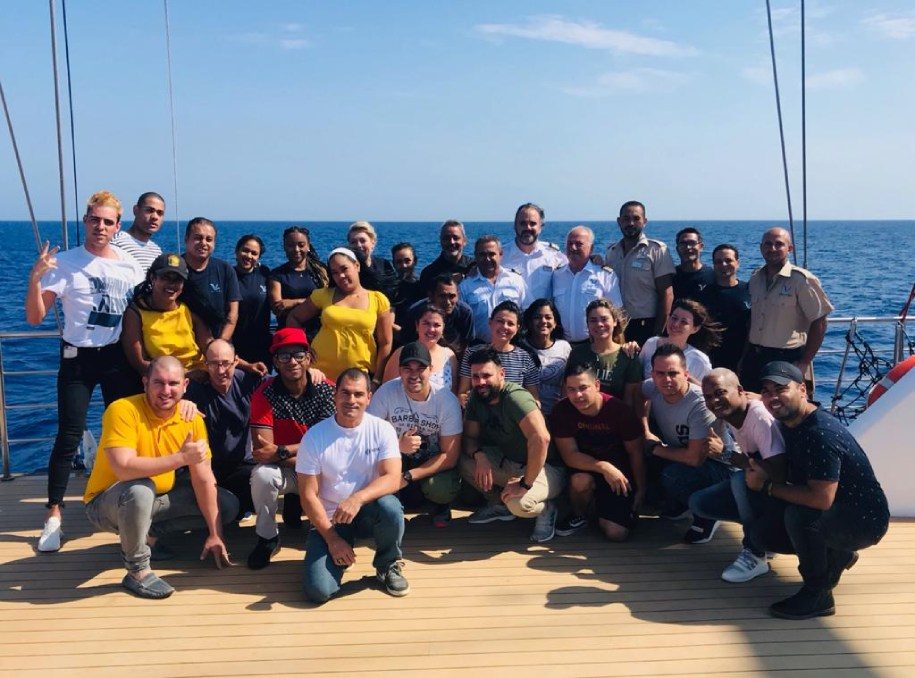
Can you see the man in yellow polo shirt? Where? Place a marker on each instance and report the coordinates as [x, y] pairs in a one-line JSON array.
[[134, 490]]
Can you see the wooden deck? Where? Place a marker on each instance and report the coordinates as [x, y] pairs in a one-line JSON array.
[[483, 598]]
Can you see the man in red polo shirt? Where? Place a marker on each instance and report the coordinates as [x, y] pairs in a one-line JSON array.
[[282, 409]]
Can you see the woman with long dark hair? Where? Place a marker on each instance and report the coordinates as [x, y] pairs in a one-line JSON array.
[[252, 334], [293, 282], [691, 327], [544, 333]]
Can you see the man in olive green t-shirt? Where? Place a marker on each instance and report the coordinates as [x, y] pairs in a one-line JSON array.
[[506, 445]]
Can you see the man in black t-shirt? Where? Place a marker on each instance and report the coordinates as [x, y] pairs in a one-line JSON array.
[[452, 259], [832, 504], [728, 300], [458, 333], [211, 290], [691, 277]]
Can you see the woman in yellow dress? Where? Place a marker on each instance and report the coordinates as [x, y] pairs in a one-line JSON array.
[[356, 323]]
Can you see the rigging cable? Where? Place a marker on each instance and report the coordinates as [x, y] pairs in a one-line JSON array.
[[804, 124], [63, 6], [171, 106], [781, 128], [65, 239], [25, 186]]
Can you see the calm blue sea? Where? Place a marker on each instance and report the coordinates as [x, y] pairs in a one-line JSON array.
[[867, 268]]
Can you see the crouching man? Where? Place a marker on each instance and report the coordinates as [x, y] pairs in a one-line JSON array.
[[348, 468], [153, 476], [832, 504]]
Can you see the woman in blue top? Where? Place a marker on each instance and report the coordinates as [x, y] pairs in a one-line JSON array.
[[252, 334], [293, 282]]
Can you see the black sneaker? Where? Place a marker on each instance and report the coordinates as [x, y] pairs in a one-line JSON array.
[[701, 531], [394, 581], [264, 550], [838, 564], [805, 604], [571, 524], [441, 515]]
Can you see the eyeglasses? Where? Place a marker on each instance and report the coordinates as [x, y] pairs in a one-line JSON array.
[[286, 357], [220, 364]]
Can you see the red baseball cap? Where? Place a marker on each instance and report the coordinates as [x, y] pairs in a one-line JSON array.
[[288, 336]]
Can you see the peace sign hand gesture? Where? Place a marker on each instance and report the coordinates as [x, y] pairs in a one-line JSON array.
[[46, 260]]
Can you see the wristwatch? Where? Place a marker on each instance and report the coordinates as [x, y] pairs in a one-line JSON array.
[[523, 484], [407, 477], [282, 452]]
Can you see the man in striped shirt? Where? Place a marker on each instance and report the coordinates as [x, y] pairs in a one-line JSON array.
[[148, 215]]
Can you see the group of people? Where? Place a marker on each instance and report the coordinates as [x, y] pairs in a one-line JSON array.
[[569, 388]]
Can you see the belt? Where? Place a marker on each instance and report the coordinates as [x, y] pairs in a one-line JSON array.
[[89, 349]]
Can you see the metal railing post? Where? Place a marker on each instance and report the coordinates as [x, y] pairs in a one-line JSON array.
[[852, 328], [4, 433], [898, 342]]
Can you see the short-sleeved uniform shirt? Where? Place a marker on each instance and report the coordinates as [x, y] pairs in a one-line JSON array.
[[536, 268], [438, 415], [500, 423], [94, 293], [692, 284], [821, 448], [615, 370], [274, 407], [682, 421], [226, 418], [572, 292], [518, 364], [131, 422], [347, 335], [252, 333], [781, 312], [637, 270], [483, 296], [208, 293], [345, 459], [144, 253], [296, 285], [601, 436]]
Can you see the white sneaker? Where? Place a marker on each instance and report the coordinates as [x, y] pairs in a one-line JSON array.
[[545, 524], [747, 566], [51, 535]]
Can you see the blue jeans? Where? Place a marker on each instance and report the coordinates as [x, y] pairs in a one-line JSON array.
[[681, 481], [380, 520], [729, 500]]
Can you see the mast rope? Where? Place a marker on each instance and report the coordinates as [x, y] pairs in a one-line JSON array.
[[63, 5], [171, 107], [65, 236]]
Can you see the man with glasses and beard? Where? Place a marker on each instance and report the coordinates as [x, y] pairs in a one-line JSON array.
[[283, 408]]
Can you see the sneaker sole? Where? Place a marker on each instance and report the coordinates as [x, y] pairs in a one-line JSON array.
[[494, 519], [570, 532], [827, 612], [704, 540], [543, 540], [744, 581], [269, 558], [394, 592]]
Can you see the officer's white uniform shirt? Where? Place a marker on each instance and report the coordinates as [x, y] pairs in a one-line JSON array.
[[536, 268], [572, 292], [483, 296]]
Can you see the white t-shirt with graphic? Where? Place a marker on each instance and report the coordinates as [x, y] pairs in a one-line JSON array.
[[345, 459], [438, 415], [552, 366], [94, 292]]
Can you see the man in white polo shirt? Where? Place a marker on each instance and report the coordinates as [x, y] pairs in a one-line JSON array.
[[348, 470], [490, 285]]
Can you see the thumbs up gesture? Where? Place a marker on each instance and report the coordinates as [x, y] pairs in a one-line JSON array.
[[410, 442], [193, 451]]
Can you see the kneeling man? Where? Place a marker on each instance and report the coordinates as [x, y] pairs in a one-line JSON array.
[[600, 440], [348, 470], [134, 490]]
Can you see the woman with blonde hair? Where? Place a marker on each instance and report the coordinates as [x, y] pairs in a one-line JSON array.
[[378, 272]]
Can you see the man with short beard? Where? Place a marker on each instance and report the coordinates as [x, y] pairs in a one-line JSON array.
[[428, 423], [831, 505], [445, 295], [757, 437], [452, 260], [728, 300], [533, 259], [490, 285], [211, 291], [148, 215]]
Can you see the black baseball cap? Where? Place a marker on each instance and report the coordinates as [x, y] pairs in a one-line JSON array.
[[169, 263], [782, 373], [415, 351]]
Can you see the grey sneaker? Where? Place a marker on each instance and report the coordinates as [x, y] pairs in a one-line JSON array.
[[545, 525], [490, 514], [394, 581]]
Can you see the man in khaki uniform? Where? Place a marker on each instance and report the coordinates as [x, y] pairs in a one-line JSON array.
[[646, 273], [788, 310]]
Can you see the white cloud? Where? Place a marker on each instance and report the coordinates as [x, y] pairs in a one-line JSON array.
[[294, 43], [898, 27], [635, 80], [586, 34], [786, 21], [293, 27], [761, 75], [840, 78]]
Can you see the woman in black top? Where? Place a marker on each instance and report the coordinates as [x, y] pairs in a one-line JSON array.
[[252, 334], [362, 239], [293, 282]]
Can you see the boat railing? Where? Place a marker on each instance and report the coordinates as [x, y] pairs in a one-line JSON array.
[[894, 352]]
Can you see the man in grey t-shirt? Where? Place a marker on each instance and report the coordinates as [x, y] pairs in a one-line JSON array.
[[428, 424], [685, 425]]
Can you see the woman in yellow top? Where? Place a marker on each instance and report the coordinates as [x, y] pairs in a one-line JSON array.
[[157, 324], [356, 323]]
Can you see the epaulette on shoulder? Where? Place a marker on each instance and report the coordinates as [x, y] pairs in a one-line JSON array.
[[553, 246], [802, 271], [512, 270], [607, 269]]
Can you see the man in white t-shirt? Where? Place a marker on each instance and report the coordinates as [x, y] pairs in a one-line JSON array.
[[94, 284], [348, 470], [428, 421], [148, 215], [757, 436]]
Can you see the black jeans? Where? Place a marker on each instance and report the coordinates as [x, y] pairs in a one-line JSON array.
[[237, 481], [757, 357], [76, 380], [640, 330], [819, 538]]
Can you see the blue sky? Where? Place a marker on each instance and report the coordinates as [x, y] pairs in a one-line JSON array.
[[429, 110]]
